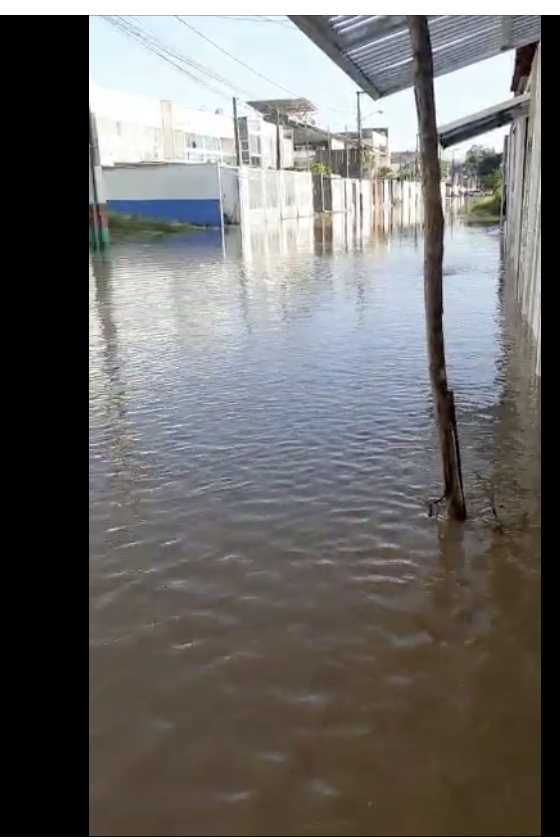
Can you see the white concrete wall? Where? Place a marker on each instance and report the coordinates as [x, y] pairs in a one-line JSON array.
[[173, 192], [524, 199], [229, 180], [168, 181]]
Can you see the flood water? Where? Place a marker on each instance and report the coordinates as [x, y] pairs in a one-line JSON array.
[[282, 642]]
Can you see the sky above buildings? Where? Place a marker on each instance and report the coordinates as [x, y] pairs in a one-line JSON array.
[[292, 65]]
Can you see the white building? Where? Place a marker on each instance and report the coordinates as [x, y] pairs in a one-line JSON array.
[[132, 129]]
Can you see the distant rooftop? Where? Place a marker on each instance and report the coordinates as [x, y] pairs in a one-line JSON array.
[[375, 50], [290, 108]]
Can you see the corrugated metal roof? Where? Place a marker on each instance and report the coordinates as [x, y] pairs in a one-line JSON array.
[[484, 121], [375, 50]]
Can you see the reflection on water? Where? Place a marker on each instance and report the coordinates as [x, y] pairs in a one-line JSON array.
[[281, 641]]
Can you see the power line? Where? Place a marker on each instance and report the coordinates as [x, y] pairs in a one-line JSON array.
[[147, 36], [202, 68], [169, 54], [234, 58], [124, 28], [247, 66], [132, 28], [265, 19], [250, 19]]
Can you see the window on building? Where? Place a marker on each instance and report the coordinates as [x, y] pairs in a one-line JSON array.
[[212, 144]]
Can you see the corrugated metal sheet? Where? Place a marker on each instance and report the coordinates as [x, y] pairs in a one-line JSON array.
[[484, 121], [375, 51]]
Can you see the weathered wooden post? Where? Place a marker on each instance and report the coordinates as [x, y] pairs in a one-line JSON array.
[[99, 235], [433, 263]]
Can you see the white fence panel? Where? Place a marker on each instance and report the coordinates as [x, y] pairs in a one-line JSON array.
[[272, 195], [337, 187]]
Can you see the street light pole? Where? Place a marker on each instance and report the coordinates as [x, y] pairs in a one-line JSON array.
[[360, 136]]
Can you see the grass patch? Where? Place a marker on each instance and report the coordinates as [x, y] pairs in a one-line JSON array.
[[485, 210], [487, 207], [122, 224], [481, 220]]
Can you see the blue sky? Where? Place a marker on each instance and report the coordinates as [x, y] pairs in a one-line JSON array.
[[284, 55]]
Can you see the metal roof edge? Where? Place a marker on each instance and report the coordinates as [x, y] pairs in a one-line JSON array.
[[450, 134], [317, 29]]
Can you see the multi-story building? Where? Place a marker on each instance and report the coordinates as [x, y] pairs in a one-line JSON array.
[[374, 140], [405, 164], [258, 140], [134, 129]]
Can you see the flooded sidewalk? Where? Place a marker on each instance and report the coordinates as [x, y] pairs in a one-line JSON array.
[[282, 642]]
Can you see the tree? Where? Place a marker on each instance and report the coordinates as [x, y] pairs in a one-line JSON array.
[[483, 165], [407, 171], [433, 264]]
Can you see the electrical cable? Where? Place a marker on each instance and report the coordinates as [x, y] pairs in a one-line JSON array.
[[248, 67], [170, 55]]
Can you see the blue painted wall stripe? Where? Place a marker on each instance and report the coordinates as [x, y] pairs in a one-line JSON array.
[[194, 211]]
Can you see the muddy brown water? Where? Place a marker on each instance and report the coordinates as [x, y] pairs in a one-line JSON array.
[[281, 641]]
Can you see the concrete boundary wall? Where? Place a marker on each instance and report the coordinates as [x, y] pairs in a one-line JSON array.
[[173, 192]]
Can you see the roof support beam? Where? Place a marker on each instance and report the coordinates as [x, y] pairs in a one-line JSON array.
[[488, 120], [317, 28]]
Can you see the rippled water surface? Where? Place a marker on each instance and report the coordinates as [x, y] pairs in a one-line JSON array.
[[281, 640]]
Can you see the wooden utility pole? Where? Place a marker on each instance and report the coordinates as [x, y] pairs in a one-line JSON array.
[[99, 227], [433, 263], [238, 156]]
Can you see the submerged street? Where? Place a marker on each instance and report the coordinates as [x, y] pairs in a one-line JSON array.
[[282, 642]]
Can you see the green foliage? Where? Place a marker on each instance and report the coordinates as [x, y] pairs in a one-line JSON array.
[[484, 165], [486, 208], [319, 169], [493, 182], [407, 171], [385, 172], [131, 225]]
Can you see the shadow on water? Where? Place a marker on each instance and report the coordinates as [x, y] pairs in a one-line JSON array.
[[281, 641]]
